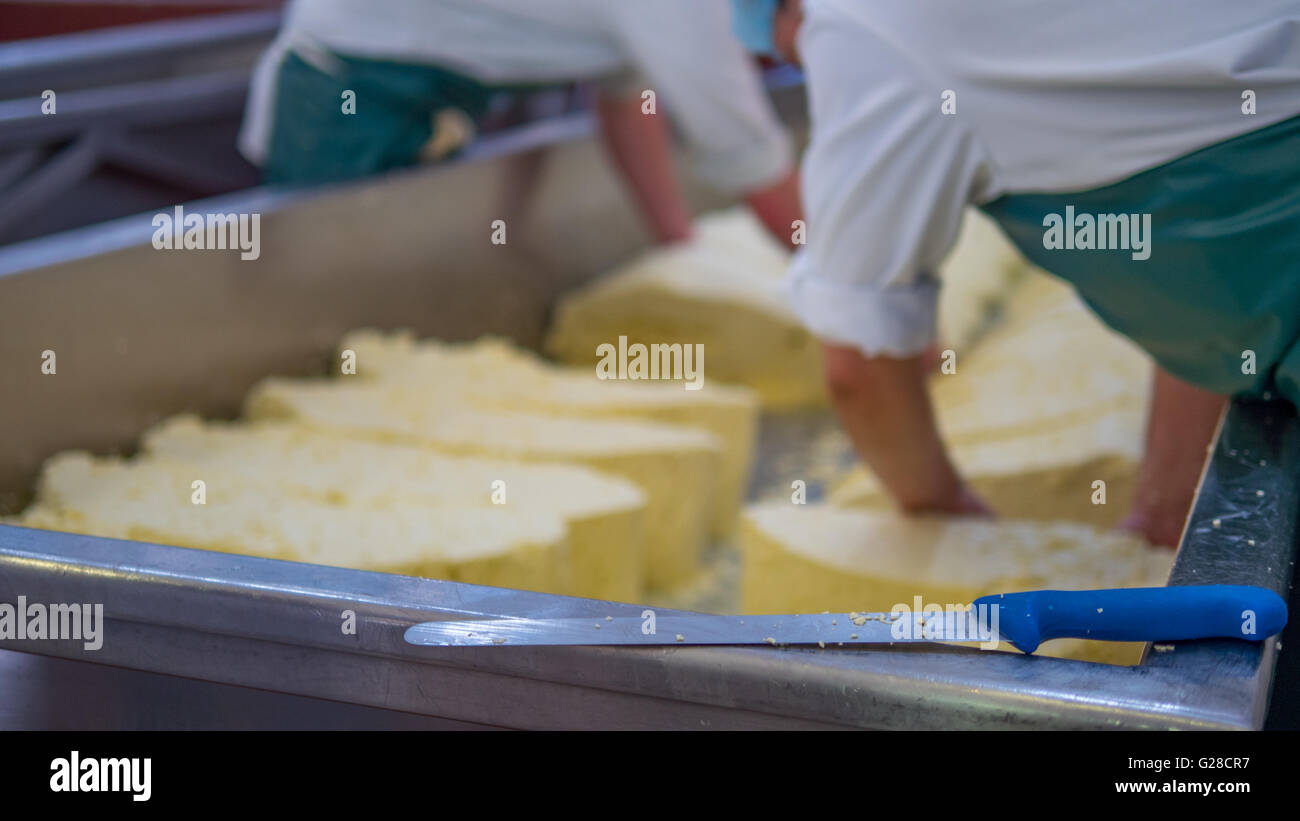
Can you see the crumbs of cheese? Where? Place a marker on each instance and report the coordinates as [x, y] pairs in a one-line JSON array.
[[1049, 364], [147, 501], [605, 513], [673, 465], [493, 373]]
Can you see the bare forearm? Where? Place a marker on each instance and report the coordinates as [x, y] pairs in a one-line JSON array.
[[1180, 429], [885, 408], [777, 207], [641, 148]]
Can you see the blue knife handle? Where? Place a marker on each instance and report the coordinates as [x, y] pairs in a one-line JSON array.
[[1138, 614]]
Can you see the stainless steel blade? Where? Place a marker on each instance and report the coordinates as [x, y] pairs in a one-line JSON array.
[[825, 629]]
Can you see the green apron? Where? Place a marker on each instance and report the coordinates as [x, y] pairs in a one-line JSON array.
[[1222, 283], [314, 141]]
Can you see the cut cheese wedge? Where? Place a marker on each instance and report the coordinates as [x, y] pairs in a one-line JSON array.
[[724, 289], [493, 373], [1050, 364], [605, 514], [147, 501], [676, 467], [806, 559], [698, 295], [1045, 475]]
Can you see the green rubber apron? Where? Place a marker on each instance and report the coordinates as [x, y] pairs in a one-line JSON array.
[[1217, 302], [314, 139]]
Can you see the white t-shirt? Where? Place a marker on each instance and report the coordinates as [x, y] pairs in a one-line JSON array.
[[1050, 97], [684, 50]]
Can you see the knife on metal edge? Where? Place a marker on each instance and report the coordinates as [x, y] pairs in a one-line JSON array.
[[1025, 620]]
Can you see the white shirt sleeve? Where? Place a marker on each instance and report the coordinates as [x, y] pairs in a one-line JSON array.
[[884, 181], [709, 86]]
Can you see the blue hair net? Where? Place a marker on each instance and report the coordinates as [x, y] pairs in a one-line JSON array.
[[752, 22]]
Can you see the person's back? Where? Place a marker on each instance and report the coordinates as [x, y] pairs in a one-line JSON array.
[[1144, 152], [1065, 96], [490, 40], [398, 63]]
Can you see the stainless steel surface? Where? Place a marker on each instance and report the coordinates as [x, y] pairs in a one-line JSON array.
[[146, 116], [125, 53], [141, 334], [48, 693]]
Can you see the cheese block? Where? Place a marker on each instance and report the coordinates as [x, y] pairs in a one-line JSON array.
[[605, 514], [699, 293], [813, 558], [493, 373], [676, 467], [1045, 475], [149, 501], [724, 290], [1049, 364]]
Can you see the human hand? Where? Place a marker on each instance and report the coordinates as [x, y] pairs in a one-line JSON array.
[[1160, 530], [961, 501], [968, 503]]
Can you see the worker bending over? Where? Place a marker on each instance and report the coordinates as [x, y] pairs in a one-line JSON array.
[[405, 62], [1183, 120]]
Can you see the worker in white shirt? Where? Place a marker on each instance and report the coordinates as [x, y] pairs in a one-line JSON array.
[[1184, 119], [400, 63]]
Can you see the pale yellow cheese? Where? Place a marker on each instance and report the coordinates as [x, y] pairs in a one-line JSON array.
[[1048, 364], [812, 558], [724, 289], [1048, 474], [676, 467], [976, 278], [697, 295], [152, 501], [493, 373], [606, 515]]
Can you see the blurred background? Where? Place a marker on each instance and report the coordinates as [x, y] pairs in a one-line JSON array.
[[149, 97]]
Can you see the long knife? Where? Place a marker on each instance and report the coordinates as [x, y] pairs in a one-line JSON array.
[[1025, 620]]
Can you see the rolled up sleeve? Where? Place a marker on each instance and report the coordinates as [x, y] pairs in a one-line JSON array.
[[885, 180], [710, 87], [897, 321]]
